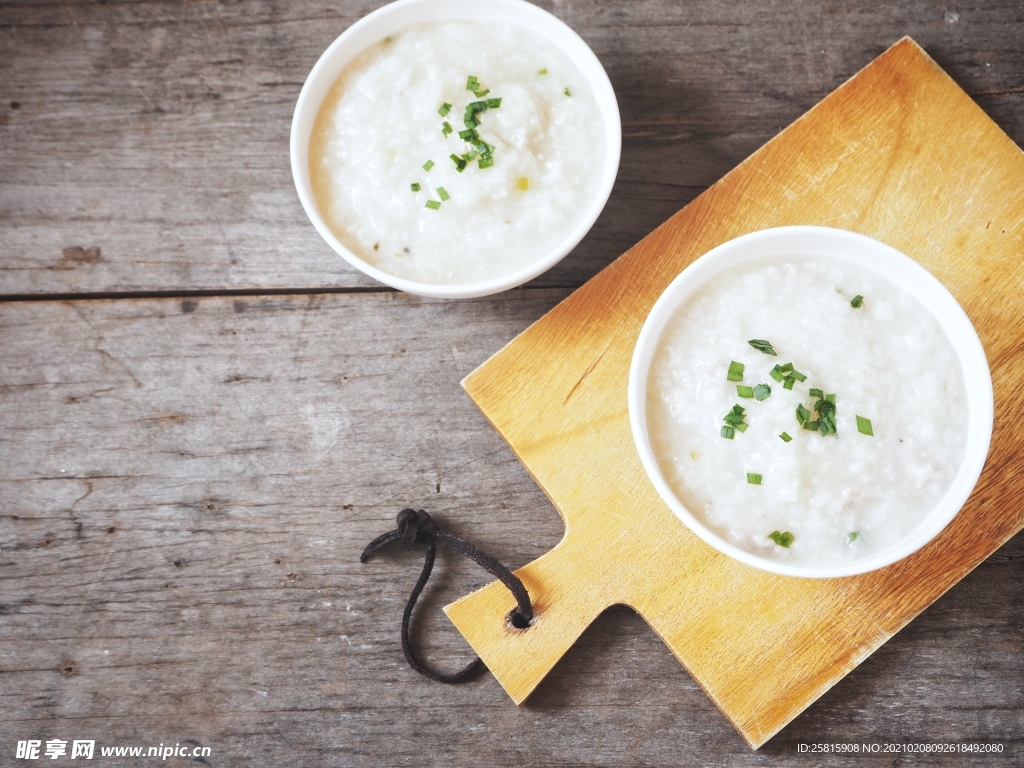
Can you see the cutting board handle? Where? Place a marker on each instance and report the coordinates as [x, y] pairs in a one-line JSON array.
[[563, 607]]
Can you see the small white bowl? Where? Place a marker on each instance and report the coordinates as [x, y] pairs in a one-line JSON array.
[[392, 18], [888, 263]]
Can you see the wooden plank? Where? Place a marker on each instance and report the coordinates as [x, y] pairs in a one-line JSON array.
[[898, 153], [156, 132], [185, 488]]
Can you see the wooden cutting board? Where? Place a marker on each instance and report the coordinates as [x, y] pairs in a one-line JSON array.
[[899, 153]]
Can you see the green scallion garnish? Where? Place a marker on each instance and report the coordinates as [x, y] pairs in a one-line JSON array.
[[444, 109], [743, 391], [753, 478], [735, 371], [493, 103], [817, 393], [728, 433], [788, 382], [460, 164], [742, 426], [472, 84], [785, 437], [797, 375], [811, 426], [567, 91], [857, 301], [415, 187], [485, 162], [784, 539], [864, 426], [469, 134], [762, 346], [762, 392], [442, 194], [433, 205], [802, 414], [735, 416], [428, 165], [776, 373], [446, 128]]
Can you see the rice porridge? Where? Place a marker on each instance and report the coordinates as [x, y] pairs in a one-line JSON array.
[[830, 450], [456, 152]]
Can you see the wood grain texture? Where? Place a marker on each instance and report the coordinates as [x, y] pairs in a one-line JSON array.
[[898, 153], [157, 131], [185, 488]]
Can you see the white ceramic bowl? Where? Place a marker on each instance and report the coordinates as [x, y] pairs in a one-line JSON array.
[[840, 245], [392, 18]]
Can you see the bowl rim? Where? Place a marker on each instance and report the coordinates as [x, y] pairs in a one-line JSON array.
[[397, 15], [884, 261]]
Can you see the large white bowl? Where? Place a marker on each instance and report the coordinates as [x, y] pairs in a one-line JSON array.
[[888, 263], [394, 17]]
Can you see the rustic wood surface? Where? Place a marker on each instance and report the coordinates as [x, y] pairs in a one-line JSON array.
[[186, 480]]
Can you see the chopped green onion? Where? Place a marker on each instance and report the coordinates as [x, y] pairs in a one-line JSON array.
[[444, 109], [470, 122], [476, 106], [485, 162], [786, 368], [784, 539], [811, 425], [415, 187], [857, 301], [469, 134], [567, 91], [735, 371], [762, 346], [788, 382], [446, 128], [742, 426], [852, 537], [797, 375], [542, 71], [831, 399], [864, 426], [776, 373], [460, 164], [493, 103], [753, 478], [762, 392], [481, 94], [785, 437], [433, 205], [817, 393], [470, 156], [472, 84], [802, 414], [523, 184], [428, 165], [743, 391], [826, 426], [728, 433], [442, 194]]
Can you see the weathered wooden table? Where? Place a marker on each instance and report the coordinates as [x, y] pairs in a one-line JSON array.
[[205, 414]]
